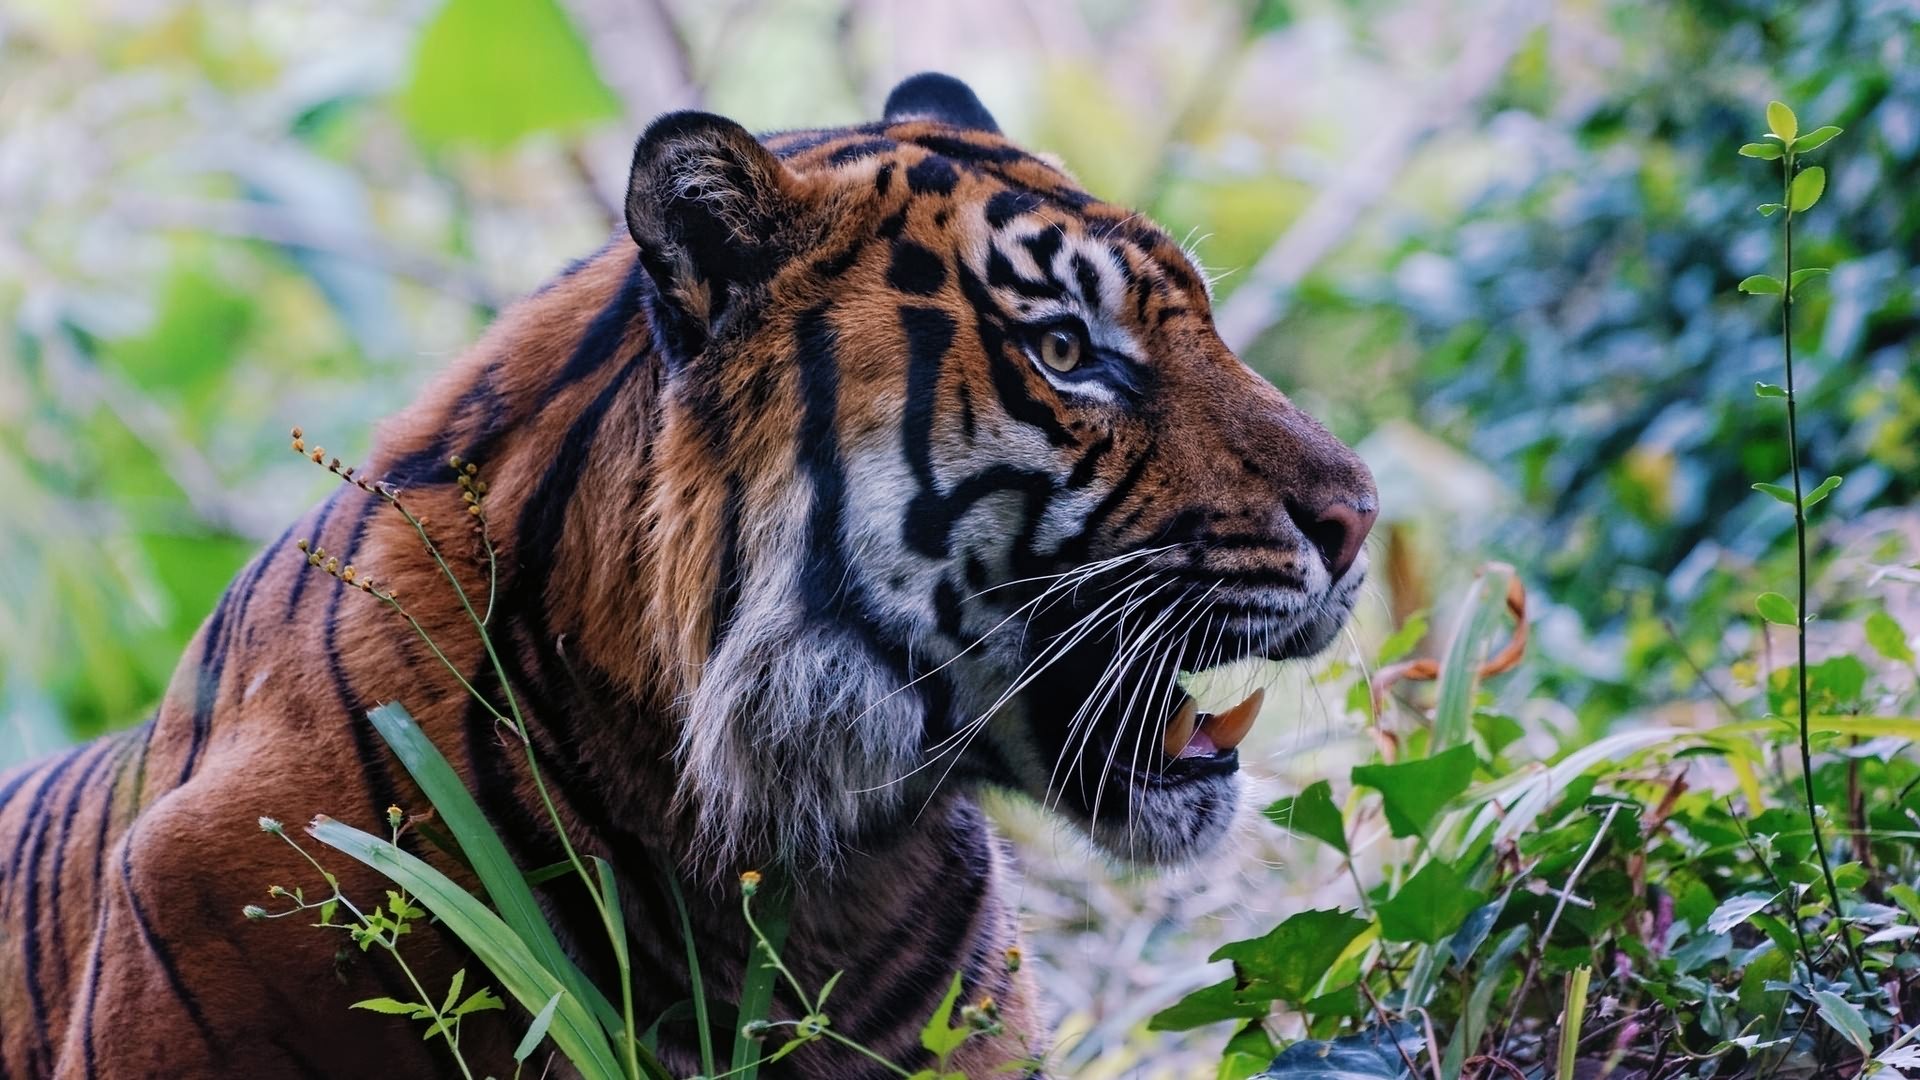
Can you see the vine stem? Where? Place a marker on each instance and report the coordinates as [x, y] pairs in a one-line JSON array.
[[1800, 551]]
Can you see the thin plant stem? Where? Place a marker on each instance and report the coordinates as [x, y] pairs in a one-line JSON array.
[[629, 1039], [1800, 553], [844, 1041]]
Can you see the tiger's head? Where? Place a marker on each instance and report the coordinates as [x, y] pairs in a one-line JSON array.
[[956, 481]]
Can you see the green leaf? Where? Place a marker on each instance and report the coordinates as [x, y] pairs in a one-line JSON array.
[[1806, 188], [1430, 906], [576, 1032], [490, 72], [1312, 812], [1764, 150], [1370, 1055], [481, 1000], [392, 1006], [1415, 791], [1760, 284], [940, 1037], [1289, 960], [1776, 609], [1736, 910], [1781, 121], [1815, 139], [1793, 283], [1887, 638], [1784, 494], [1401, 641], [538, 1029], [453, 989], [1768, 209], [1825, 489], [1768, 390], [820, 999], [1482, 615], [1208, 1005], [1845, 1017], [498, 874]]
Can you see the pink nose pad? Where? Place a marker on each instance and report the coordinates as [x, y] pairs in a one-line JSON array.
[[1337, 530]]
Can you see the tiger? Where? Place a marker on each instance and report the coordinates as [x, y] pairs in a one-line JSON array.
[[867, 470]]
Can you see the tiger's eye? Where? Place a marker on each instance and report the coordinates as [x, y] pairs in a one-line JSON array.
[[1060, 350]]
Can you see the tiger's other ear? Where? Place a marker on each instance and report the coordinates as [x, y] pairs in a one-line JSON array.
[[705, 202], [933, 96]]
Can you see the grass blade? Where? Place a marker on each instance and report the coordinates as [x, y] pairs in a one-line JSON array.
[[505, 885], [574, 1029], [693, 971], [1480, 618]]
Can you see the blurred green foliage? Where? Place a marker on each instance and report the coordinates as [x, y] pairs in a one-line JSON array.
[[225, 219]]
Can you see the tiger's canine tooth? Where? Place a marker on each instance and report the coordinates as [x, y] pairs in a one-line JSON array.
[[1180, 728], [1227, 729]]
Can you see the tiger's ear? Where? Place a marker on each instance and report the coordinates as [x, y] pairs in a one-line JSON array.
[[933, 96], [706, 203]]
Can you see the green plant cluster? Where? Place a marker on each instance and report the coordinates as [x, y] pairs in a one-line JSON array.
[[1578, 326], [1665, 902]]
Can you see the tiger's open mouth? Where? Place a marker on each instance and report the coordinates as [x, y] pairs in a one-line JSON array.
[[1130, 752]]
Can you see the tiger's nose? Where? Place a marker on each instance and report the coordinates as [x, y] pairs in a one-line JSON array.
[[1337, 530]]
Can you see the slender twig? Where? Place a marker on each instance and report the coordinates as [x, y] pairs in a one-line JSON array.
[[1553, 920], [1800, 554]]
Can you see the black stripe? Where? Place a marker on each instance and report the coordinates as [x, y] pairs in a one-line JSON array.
[[381, 790], [56, 910], [319, 531], [604, 336], [53, 768], [33, 838], [1009, 379], [726, 593], [160, 953]]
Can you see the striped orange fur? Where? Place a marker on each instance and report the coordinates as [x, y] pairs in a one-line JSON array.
[[869, 466]]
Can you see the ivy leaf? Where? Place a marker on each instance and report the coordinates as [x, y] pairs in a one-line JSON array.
[[1768, 209], [1782, 122], [1887, 638], [1430, 906], [1415, 791], [1806, 189], [1766, 151], [1312, 812], [1374, 1054], [1844, 1017], [1207, 1005], [1784, 494], [1776, 609], [1760, 284], [1288, 960], [1801, 275], [1825, 489], [1815, 139]]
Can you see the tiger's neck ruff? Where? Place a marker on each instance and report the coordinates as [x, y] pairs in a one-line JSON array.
[[868, 467]]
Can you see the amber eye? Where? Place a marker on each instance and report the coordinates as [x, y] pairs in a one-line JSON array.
[[1060, 349]]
